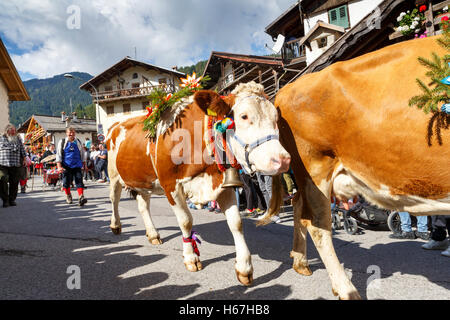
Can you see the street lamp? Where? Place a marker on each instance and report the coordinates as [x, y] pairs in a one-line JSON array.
[[71, 76]]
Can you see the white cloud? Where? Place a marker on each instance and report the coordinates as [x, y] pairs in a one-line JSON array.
[[165, 32]]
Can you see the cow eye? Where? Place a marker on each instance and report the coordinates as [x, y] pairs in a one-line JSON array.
[[244, 117]]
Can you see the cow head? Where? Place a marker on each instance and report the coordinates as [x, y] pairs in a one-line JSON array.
[[255, 141]]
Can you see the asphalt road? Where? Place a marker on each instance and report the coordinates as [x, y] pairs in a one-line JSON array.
[[46, 244]]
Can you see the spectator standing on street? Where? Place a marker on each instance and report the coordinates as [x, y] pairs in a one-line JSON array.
[[250, 193], [87, 143], [49, 152], [25, 171], [102, 163], [24, 174], [94, 158], [69, 160], [88, 165], [407, 232], [439, 233], [12, 158], [265, 184]]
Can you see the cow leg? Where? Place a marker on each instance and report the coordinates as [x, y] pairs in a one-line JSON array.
[[152, 234], [298, 252], [243, 266], [185, 220], [317, 218], [115, 190]]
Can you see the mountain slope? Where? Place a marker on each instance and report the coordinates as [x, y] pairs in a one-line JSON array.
[[50, 96]]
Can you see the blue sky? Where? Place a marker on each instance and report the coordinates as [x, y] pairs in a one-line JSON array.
[[49, 37]]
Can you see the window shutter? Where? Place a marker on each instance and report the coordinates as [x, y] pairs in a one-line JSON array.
[[339, 16], [333, 16]]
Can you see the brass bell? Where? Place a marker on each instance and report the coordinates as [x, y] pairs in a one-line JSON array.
[[232, 179]]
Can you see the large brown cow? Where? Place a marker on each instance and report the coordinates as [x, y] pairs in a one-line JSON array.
[[349, 131], [173, 163]]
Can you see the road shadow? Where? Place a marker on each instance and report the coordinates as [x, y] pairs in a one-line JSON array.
[[115, 268]]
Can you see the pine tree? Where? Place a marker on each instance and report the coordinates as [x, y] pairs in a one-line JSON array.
[[438, 92]]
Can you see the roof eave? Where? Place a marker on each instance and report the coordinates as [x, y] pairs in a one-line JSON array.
[[20, 92]]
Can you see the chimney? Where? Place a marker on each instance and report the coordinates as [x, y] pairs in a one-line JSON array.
[[175, 68], [63, 118], [74, 117]]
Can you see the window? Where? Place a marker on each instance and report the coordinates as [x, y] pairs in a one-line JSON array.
[[110, 110], [162, 81], [135, 75], [145, 105], [135, 85], [108, 88], [126, 108], [322, 42], [339, 16]]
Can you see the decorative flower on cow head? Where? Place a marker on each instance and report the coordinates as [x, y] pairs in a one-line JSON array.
[[191, 81]]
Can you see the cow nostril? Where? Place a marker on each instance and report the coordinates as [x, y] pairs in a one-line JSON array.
[[276, 161]]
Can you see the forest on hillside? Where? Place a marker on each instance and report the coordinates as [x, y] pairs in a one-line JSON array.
[[198, 68], [51, 96]]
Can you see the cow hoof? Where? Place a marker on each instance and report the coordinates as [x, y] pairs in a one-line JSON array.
[[246, 280], [155, 241], [117, 230], [194, 266], [303, 270], [353, 295]]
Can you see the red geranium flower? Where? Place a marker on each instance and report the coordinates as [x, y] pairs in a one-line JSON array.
[[444, 18], [423, 8]]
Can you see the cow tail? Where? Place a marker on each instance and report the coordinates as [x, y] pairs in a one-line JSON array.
[[275, 202]]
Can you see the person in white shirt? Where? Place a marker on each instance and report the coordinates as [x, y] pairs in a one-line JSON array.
[[94, 157]]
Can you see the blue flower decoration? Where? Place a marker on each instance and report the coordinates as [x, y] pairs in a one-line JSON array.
[[446, 81], [446, 108]]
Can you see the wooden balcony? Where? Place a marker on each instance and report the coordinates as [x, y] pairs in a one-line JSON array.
[[432, 21], [293, 52], [108, 96]]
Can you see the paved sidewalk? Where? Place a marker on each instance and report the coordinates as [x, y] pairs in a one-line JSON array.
[[43, 237]]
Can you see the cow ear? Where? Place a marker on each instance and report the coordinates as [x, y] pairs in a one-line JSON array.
[[207, 99]]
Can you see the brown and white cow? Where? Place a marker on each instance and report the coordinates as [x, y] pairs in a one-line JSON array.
[[349, 131], [173, 163]]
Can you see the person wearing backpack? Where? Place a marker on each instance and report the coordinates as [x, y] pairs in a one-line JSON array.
[[69, 161]]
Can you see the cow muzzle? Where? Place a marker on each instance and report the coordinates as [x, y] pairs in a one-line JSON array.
[[275, 164], [280, 164]]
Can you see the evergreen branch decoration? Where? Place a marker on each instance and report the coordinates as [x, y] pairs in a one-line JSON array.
[[160, 101], [435, 97], [438, 92]]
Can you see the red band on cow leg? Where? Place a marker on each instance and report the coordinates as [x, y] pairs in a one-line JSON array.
[[67, 190], [80, 191], [193, 241]]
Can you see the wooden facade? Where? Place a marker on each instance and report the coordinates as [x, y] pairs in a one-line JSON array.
[[227, 70], [40, 131]]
